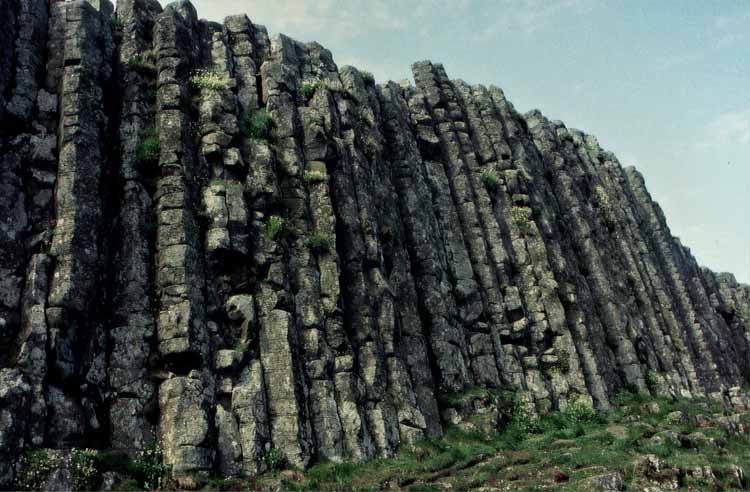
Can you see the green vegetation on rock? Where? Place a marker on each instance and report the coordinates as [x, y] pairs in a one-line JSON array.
[[274, 227], [256, 124], [314, 177], [209, 80], [490, 179], [34, 467], [150, 145], [319, 243], [84, 471], [307, 89]]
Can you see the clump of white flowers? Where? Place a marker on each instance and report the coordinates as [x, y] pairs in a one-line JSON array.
[[149, 467], [83, 469], [209, 80], [35, 468]]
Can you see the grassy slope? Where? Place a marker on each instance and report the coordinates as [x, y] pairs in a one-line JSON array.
[[559, 452]]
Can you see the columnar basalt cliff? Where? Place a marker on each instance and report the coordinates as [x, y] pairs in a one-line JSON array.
[[281, 253]]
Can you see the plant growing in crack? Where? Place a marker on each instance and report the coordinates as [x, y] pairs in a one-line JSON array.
[[319, 243], [274, 227], [256, 124], [490, 179], [209, 80], [150, 145], [314, 176]]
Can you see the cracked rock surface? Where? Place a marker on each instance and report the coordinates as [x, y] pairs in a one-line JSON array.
[[286, 255]]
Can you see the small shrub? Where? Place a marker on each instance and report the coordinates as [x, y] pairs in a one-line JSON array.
[[209, 80], [83, 469], [141, 65], [35, 468], [319, 243], [242, 347], [274, 459], [256, 124], [148, 468], [116, 23], [274, 227], [314, 177], [490, 179], [652, 379], [581, 411], [307, 90], [150, 146], [521, 217]]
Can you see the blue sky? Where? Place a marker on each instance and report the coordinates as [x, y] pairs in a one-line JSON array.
[[663, 84]]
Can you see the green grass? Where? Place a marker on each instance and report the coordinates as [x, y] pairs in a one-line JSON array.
[[150, 146], [256, 124], [307, 89], [490, 179], [274, 227], [576, 442], [314, 177], [526, 454], [320, 243], [142, 65]]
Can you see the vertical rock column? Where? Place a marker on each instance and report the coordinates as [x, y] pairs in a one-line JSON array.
[[570, 186], [284, 314], [487, 254], [21, 62], [654, 330], [75, 243], [339, 419], [442, 366], [249, 403], [133, 323], [663, 247], [325, 342], [501, 165], [186, 398]]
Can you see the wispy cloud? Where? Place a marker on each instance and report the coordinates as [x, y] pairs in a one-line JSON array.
[[528, 16], [349, 19], [730, 30], [729, 128]]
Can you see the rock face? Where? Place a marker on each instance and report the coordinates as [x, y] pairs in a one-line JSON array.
[[278, 253]]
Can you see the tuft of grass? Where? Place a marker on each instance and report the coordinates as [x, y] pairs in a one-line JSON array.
[[209, 80], [490, 179], [581, 412], [256, 124], [242, 347], [274, 227], [319, 243], [274, 459], [314, 177], [150, 146], [142, 65], [116, 23], [307, 90], [521, 217]]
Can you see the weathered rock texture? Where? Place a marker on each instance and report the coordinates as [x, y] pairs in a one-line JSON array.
[[434, 241]]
